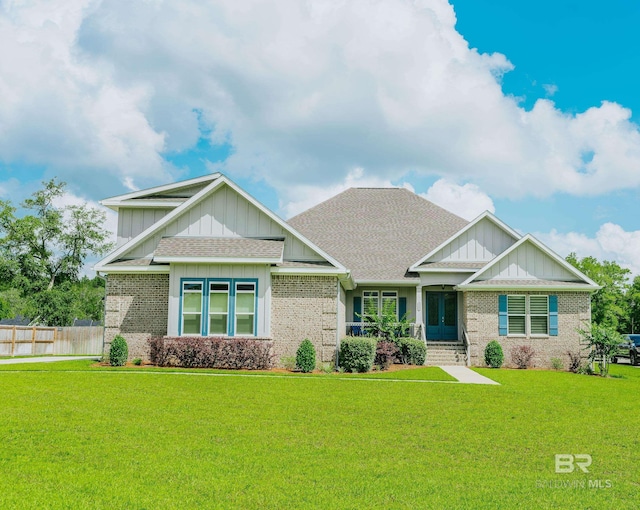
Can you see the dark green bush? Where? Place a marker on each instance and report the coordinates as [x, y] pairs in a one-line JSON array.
[[493, 355], [357, 354], [411, 351], [119, 352], [306, 356]]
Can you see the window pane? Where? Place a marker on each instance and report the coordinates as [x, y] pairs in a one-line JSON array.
[[246, 286], [218, 325], [219, 287], [450, 301], [245, 303], [390, 305], [244, 324], [218, 303], [433, 312], [539, 305], [539, 325], [516, 325], [191, 325], [192, 286], [192, 302], [516, 304]]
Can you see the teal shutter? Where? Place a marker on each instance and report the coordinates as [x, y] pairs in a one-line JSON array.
[[553, 315], [357, 309], [502, 315], [402, 308]]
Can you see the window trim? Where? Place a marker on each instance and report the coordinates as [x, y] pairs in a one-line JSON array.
[[525, 315], [231, 313], [379, 297], [186, 281], [236, 282]]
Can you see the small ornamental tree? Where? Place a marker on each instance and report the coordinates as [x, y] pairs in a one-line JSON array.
[[306, 356], [119, 352], [493, 355], [602, 342]]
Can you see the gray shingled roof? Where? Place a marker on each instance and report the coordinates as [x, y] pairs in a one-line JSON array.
[[219, 247], [377, 233]]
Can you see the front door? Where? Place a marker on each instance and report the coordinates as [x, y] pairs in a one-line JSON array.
[[442, 316]]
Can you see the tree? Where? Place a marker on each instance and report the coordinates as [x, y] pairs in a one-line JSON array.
[[52, 244], [633, 300], [609, 305], [603, 342]]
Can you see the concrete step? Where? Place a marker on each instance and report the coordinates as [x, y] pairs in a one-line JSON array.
[[445, 354]]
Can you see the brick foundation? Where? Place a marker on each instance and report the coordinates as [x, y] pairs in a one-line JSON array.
[[304, 307], [480, 315], [136, 307]]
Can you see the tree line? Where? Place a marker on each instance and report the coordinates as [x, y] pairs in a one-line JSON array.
[[42, 252]]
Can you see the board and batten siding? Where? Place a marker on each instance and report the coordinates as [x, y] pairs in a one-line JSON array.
[[528, 262], [482, 242], [260, 272], [134, 221], [225, 213]]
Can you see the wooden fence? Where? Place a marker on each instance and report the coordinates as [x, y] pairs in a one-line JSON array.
[[38, 340]]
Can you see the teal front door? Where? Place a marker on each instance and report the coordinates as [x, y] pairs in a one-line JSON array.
[[442, 316]]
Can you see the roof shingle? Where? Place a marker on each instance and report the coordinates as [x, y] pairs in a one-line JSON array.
[[219, 247], [377, 233]]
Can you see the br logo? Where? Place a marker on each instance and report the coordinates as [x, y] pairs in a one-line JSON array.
[[566, 463]]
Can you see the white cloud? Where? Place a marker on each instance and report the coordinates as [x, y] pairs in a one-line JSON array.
[[550, 89], [467, 201], [611, 242], [98, 91]]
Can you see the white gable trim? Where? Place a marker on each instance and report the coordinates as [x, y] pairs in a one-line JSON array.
[[553, 255], [115, 202], [500, 224], [143, 236]]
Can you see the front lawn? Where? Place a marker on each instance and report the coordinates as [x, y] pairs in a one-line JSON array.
[[72, 436]]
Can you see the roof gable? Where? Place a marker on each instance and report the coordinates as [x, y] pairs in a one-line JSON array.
[[528, 262], [377, 232], [473, 246], [167, 195], [219, 210]]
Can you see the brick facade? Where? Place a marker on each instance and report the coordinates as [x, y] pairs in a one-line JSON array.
[[304, 307], [136, 307], [480, 315]]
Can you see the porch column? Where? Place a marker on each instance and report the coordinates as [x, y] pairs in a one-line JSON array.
[[419, 314]]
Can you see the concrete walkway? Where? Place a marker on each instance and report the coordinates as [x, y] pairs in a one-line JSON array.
[[466, 375], [44, 359]]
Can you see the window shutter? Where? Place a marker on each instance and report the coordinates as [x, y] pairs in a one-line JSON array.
[[502, 315], [357, 309], [402, 307], [553, 315]]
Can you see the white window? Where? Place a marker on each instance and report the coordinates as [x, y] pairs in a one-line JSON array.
[[245, 308], [191, 308], [370, 302], [528, 315], [389, 302], [218, 308]]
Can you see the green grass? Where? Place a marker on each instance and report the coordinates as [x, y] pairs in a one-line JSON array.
[[100, 438]]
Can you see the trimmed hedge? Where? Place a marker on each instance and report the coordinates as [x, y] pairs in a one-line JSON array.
[[357, 354], [493, 355], [411, 351], [306, 356], [119, 352], [211, 352]]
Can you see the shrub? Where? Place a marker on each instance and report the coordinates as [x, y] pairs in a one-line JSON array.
[[326, 367], [137, 361], [575, 361], [212, 352], [522, 356], [411, 351], [556, 363], [306, 356], [357, 354], [493, 355], [288, 362], [386, 353], [119, 352]]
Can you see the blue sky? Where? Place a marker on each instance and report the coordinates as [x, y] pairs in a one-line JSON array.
[[527, 109]]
